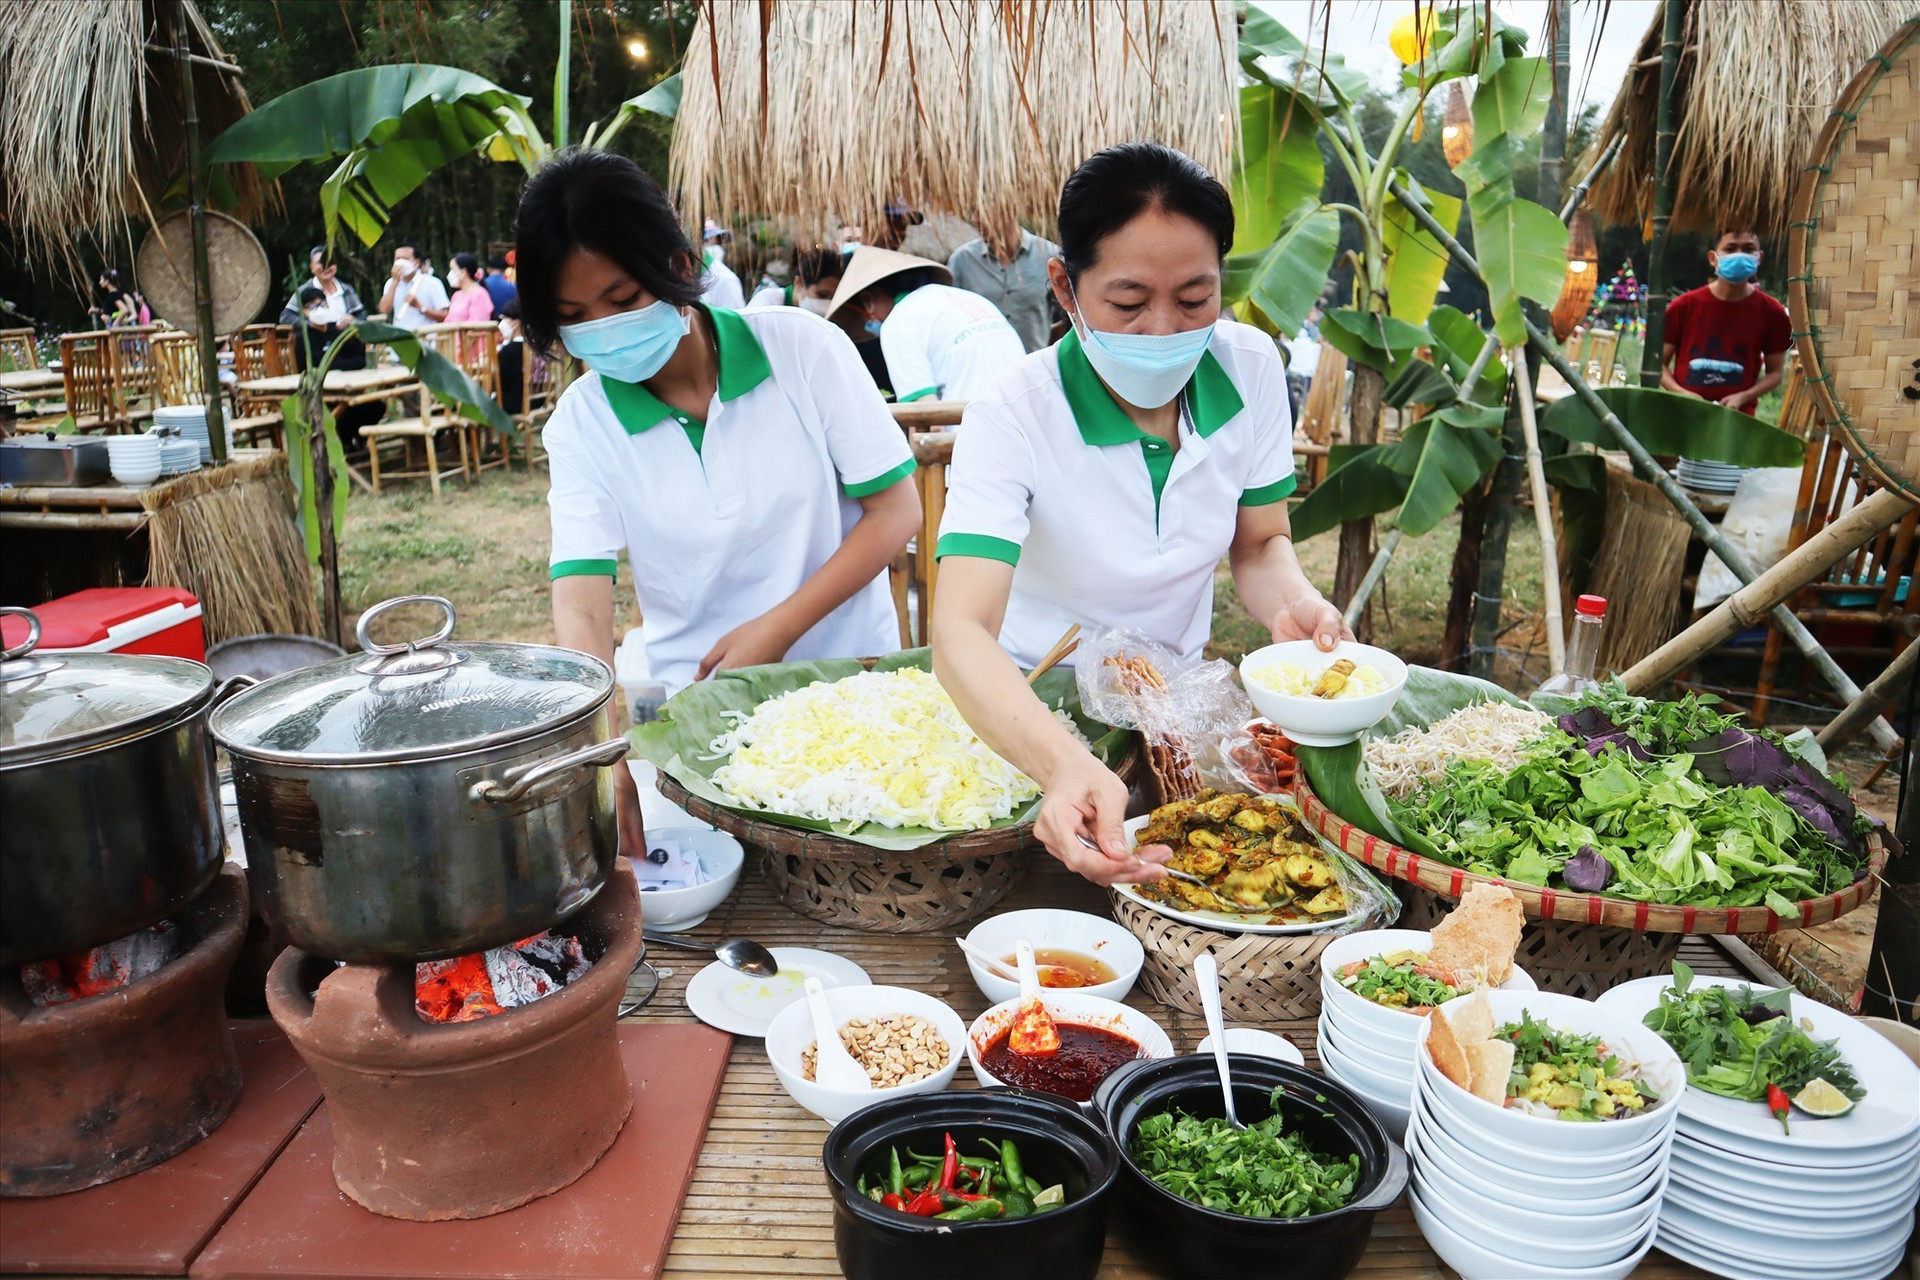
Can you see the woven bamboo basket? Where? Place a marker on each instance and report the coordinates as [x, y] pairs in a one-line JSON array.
[[1853, 265], [1263, 977], [1587, 910], [1573, 959], [856, 886]]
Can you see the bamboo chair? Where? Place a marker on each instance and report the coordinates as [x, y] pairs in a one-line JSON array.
[[18, 350], [134, 371], [256, 353], [540, 389], [1862, 594], [1320, 416], [475, 348], [280, 353], [933, 451], [1603, 350], [176, 361], [418, 442], [93, 394]]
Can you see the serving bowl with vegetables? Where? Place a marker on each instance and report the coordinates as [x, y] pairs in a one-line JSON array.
[[1021, 1192], [1301, 1182]]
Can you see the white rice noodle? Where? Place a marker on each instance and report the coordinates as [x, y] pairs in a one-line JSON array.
[[1497, 732]]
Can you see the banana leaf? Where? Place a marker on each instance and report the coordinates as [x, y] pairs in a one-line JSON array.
[[678, 743], [1339, 776]]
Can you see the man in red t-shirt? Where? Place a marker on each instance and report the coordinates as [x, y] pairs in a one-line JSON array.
[[1726, 341]]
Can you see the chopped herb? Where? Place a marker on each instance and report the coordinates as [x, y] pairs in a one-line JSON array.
[[1256, 1172]]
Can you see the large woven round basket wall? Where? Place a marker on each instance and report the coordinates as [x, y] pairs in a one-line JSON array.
[[237, 272], [1853, 260]]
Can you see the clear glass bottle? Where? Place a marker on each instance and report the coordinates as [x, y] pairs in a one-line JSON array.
[[1583, 650]]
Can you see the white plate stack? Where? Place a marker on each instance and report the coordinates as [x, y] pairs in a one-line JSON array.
[[1709, 477], [1833, 1198], [1369, 1047], [1500, 1193], [134, 460], [178, 456], [190, 420]]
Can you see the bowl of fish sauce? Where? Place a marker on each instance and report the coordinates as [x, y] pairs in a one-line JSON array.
[[1061, 1149], [1097, 1037], [1073, 951]]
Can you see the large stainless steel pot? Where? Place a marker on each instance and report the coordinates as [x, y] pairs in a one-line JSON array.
[[427, 799], [109, 807]]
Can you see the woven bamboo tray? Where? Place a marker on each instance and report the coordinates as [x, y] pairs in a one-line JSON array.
[[856, 886], [1263, 977], [1585, 909]]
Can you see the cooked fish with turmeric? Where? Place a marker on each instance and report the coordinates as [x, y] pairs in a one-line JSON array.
[[1333, 679], [1252, 852]]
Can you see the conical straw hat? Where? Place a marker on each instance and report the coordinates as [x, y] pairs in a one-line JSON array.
[[869, 266]]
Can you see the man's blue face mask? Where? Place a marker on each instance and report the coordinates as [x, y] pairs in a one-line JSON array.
[[1736, 268]]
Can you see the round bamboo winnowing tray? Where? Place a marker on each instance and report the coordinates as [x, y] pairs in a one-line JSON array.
[[1853, 263], [237, 270]]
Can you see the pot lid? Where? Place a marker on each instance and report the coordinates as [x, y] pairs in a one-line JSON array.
[[421, 699], [52, 704]]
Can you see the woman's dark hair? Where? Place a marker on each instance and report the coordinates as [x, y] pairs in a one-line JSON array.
[[512, 310], [310, 294], [813, 265], [1113, 187], [469, 264], [605, 203]]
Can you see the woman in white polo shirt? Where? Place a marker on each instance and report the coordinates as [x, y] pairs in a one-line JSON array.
[[1102, 480], [939, 341], [742, 459]]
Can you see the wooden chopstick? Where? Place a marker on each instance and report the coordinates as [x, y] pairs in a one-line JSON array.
[[1066, 644]]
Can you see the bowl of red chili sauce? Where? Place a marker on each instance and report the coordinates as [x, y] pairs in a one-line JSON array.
[[1097, 1037]]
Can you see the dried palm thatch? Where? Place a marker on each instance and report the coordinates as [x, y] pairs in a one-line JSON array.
[[230, 536], [93, 131], [823, 110], [1755, 82]]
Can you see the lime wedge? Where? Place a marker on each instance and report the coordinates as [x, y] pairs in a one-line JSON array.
[[1822, 1100], [1051, 1198]]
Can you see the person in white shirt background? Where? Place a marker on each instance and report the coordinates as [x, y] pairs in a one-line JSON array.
[[340, 302], [1102, 481], [413, 297], [939, 341], [719, 286], [743, 460]]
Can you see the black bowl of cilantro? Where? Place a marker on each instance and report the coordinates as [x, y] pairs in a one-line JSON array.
[[1295, 1193]]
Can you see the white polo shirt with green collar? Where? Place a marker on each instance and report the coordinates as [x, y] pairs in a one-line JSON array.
[[1106, 525], [722, 519]]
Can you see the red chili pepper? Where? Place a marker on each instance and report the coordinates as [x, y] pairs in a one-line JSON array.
[[951, 1166], [926, 1204], [1777, 1103], [893, 1201]]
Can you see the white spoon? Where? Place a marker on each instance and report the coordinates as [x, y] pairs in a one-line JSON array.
[[833, 1066], [998, 968], [1206, 976], [1033, 1034]]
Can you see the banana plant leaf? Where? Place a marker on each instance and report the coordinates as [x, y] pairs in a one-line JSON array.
[[447, 381], [679, 742], [1668, 422], [1450, 460], [1420, 383], [1416, 262], [1360, 486], [1339, 776], [1462, 339], [1378, 341], [1285, 279], [1522, 246], [1281, 173]]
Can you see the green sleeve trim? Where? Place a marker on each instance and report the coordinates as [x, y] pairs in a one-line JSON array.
[[582, 568], [1268, 494], [921, 394], [978, 545], [881, 481]]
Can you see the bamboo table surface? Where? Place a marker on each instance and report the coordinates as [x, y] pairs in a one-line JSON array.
[[30, 380], [758, 1204], [340, 382]]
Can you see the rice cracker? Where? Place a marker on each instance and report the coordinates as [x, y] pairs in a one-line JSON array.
[[1481, 935]]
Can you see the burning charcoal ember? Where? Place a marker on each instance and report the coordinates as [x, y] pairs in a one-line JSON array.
[[475, 986], [103, 968]]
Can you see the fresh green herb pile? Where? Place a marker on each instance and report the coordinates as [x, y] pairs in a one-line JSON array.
[[1654, 801], [1256, 1172], [1736, 1041]]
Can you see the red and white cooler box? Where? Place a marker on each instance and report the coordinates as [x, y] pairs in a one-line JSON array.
[[156, 620]]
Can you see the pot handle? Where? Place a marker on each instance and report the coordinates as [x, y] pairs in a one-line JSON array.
[[514, 784], [1391, 1184], [409, 658], [230, 686], [33, 632]]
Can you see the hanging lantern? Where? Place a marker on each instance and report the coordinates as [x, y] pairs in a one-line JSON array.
[[1456, 130], [1412, 36], [1583, 268]]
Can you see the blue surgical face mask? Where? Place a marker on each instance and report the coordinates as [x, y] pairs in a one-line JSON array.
[[630, 346], [1737, 268], [1145, 369], [871, 325]]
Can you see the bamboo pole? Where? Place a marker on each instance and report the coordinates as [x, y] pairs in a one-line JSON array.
[[562, 75], [1578, 196], [1876, 699], [1752, 602], [202, 275], [1783, 617], [1542, 515], [1666, 126]]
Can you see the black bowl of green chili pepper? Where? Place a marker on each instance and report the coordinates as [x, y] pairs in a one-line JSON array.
[[1292, 1194], [1004, 1183]]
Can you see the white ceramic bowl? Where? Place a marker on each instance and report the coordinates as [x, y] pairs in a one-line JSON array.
[[1323, 722], [792, 1031], [1070, 1007], [1659, 1066], [1396, 1085], [1387, 1057], [1554, 1177], [1047, 928], [1563, 1243], [1475, 1260], [1548, 1194], [721, 857], [1378, 1019], [1543, 1157], [1261, 1044]]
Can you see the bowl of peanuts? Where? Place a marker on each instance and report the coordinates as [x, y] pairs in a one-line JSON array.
[[908, 1042]]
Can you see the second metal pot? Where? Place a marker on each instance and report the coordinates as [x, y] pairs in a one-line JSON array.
[[428, 800]]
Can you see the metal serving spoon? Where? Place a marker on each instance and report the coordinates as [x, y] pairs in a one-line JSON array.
[[1165, 870], [743, 954], [1206, 976]]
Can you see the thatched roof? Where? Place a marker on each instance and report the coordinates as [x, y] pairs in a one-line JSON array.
[[1755, 83], [92, 130], [962, 106]]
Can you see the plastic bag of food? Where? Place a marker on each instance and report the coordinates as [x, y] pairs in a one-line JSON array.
[[1185, 713]]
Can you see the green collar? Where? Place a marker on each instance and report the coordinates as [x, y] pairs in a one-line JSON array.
[[743, 366], [1211, 397]]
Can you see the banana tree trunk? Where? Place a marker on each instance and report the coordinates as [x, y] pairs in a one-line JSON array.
[[1493, 550], [1356, 536], [1457, 637], [331, 611]]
